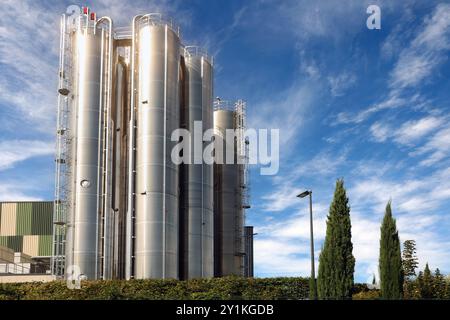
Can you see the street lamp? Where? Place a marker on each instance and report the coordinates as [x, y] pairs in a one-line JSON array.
[[313, 276]]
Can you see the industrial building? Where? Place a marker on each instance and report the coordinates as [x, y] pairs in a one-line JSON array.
[[123, 209], [25, 237]]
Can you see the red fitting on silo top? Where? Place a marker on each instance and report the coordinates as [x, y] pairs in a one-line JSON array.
[[85, 10], [93, 16]]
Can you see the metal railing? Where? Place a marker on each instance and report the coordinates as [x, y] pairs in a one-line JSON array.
[[197, 51], [158, 19]]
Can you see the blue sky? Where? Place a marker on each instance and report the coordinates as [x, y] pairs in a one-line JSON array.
[[371, 106]]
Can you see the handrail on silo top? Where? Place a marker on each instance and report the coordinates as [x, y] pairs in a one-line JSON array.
[[223, 105], [197, 51], [158, 19]]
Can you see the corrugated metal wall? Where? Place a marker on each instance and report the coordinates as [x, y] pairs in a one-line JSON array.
[[27, 227], [42, 218], [45, 245], [31, 245], [8, 223], [23, 218]]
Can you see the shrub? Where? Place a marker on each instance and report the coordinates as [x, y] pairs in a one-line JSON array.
[[373, 294], [225, 288]]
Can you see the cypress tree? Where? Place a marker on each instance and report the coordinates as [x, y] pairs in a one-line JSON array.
[[390, 263], [336, 261]]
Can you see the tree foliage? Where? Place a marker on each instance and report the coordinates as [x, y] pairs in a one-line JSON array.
[[336, 261], [425, 283], [439, 285], [390, 263], [409, 257]]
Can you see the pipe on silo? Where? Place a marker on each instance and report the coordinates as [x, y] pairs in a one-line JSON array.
[[119, 195], [129, 267], [107, 223]]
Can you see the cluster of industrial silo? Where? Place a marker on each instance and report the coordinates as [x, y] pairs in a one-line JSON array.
[[123, 208]]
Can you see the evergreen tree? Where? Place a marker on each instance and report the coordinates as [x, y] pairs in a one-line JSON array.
[[410, 263], [374, 281], [439, 286], [426, 283], [447, 288], [336, 261], [390, 263]]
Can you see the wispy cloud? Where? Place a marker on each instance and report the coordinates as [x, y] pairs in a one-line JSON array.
[[414, 66], [409, 132], [392, 101], [340, 83], [408, 195], [426, 51], [27, 59], [14, 151], [15, 192], [436, 149], [412, 130], [286, 111]]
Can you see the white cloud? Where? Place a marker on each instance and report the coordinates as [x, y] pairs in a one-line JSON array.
[[15, 192], [409, 195], [409, 133], [391, 102], [281, 199], [340, 83], [413, 67], [14, 151], [283, 247], [380, 131], [322, 164], [436, 149], [425, 52], [28, 54], [286, 111]]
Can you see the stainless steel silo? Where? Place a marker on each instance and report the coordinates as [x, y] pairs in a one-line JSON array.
[[156, 189], [197, 184], [91, 94], [228, 208]]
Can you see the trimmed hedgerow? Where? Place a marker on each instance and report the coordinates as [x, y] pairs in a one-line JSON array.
[[225, 288]]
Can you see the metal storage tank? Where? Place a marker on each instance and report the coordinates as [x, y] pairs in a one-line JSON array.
[[197, 184], [157, 105], [229, 214], [91, 90]]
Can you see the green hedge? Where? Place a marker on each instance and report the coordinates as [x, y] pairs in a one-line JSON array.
[[198, 289]]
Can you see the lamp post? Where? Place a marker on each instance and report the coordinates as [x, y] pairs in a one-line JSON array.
[[313, 289]]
